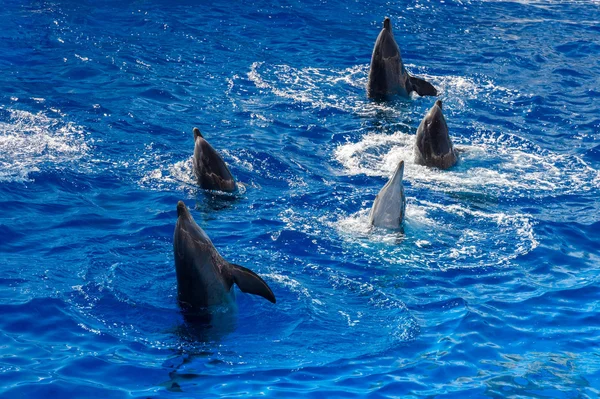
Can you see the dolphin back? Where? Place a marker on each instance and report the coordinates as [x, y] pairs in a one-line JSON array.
[[250, 282], [211, 171]]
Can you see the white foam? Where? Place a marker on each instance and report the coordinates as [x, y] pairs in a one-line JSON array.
[[434, 235], [29, 142], [376, 154], [492, 164]]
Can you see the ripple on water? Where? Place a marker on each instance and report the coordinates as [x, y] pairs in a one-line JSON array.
[[89, 292], [299, 333], [344, 89], [246, 165], [321, 88], [444, 236]]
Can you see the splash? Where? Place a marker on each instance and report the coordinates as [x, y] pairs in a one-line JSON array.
[[179, 175], [31, 142]]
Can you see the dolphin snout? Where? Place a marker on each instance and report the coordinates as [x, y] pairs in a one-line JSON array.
[[399, 172], [197, 133], [439, 103], [401, 166], [181, 208], [387, 24]]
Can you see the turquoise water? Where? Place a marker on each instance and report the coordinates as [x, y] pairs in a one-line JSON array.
[[492, 290]]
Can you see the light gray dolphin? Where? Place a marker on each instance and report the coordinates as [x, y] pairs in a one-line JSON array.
[[390, 204], [433, 146], [387, 75], [211, 171], [204, 278]]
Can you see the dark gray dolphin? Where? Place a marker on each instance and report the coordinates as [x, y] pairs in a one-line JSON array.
[[433, 146], [204, 278], [390, 204], [387, 75], [211, 171]]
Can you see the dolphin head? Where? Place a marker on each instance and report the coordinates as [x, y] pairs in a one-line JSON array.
[[387, 75], [211, 171], [437, 130], [433, 144], [204, 278], [387, 24], [386, 46], [185, 222]]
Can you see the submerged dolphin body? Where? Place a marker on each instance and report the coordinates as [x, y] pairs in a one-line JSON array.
[[433, 146], [211, 171], [387, 75], [204, 278], [390, 204]]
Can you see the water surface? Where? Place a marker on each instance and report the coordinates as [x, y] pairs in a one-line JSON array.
[[492, 290]]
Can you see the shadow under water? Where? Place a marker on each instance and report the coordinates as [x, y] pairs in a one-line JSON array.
[[201, 330], [208, 325]]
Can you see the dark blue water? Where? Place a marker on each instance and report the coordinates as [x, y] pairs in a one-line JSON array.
[[492, 291]]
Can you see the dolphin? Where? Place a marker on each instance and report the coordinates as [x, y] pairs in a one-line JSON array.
[[387, 75], [211, 171], [390, 204], [433, 146], [204, 278]]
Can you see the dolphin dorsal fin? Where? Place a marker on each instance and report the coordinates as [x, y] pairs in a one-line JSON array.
[[249, 282]]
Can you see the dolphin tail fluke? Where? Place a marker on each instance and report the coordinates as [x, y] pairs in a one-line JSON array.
[[422, 87], [249, 282]]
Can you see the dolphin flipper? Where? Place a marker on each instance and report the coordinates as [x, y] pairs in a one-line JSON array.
[[250, 282], [422, 87]]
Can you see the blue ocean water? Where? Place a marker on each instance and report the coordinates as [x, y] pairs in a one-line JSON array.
[[491, 291]]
